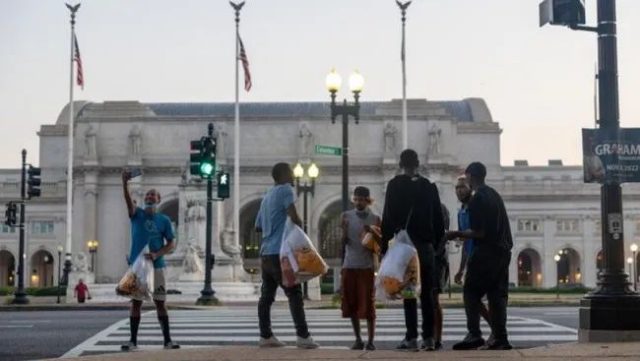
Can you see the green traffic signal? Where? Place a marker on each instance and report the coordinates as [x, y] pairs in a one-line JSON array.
[[206, 168]]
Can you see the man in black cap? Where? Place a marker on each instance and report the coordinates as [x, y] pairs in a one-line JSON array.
[[412, 203], [488, 264]]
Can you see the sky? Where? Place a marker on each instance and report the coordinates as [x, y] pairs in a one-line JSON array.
[[537, 82]]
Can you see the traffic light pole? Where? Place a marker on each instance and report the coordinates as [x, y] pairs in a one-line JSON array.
[[207, 294], [612, 311], [21, 295]]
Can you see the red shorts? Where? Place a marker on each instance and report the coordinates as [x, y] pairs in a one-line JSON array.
[[358, 294]]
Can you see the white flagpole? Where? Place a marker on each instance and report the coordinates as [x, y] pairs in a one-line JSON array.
[[236, 142], [70, 138], [405, 131]]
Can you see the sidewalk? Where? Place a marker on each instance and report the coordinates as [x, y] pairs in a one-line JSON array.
[[564, 352], [515, 299]]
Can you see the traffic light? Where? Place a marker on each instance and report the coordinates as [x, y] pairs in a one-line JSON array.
[[195, 156], [224, 181], [33, 181], [208, 159], [562, 12], [11, 214], [203, 157]]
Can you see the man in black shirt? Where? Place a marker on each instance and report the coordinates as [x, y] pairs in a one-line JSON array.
[[412, 203], [488, 264]]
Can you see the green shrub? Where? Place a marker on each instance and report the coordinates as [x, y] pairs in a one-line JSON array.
[[326, 288], [5, 291], [46, 291]]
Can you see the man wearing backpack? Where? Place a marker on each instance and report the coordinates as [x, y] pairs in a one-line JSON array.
[[412, 203]]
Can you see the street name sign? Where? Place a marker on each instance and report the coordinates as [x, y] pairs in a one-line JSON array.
[[328, 150]]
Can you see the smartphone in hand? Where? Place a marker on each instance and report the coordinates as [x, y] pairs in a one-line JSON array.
[[135, 172]]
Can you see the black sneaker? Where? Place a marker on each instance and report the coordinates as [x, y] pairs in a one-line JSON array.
[[171, 346], [438, 345], [499, 345], [470, 342], [408, 345], [358, 345], [428, 344], [370, 346]]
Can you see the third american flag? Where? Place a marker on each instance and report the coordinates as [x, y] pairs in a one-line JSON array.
[[245, 65], [78, 60]]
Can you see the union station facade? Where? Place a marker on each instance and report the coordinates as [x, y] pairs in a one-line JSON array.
[[551, 210]]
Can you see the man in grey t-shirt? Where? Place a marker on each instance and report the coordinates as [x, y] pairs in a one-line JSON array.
[[358, 295]]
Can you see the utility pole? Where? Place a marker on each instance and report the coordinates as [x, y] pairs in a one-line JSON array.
[[20, 295]]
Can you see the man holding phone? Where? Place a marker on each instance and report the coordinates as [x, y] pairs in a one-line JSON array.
[[152, 229]]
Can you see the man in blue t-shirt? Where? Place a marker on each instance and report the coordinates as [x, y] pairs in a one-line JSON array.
[[152, 229], [276, 205]]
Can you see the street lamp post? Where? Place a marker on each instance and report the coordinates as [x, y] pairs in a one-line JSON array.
[[92, 245], [634, 274], [333, 83], [557, 259], [630, 263], [60, 249], [612, 311], [312, 173]]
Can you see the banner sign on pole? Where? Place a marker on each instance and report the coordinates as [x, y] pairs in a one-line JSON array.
[[611, 156]]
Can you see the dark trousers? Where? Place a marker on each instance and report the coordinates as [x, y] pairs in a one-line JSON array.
[[487, 274], [271, 279], [427, 271]]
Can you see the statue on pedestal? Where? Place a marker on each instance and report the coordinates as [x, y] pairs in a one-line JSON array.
[[305, 141]]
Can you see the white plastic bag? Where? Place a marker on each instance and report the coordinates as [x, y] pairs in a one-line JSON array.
[[399, 270], [137, 282], [299, 259]]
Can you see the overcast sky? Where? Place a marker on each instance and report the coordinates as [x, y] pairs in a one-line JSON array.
[[538, 82]]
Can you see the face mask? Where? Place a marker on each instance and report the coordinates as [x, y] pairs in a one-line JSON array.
[[149, 205]]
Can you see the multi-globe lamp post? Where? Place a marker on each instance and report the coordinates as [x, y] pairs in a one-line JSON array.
[[60, 249], [334, 83], [305, 188], [557, 259], [92, 245]]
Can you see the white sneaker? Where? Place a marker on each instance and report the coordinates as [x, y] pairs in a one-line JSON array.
[[270, 342], [129, 346], [306, 343]]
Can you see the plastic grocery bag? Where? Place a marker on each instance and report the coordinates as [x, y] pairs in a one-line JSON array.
[[299, 259], [372, 238], [137, 282], [399, 274]]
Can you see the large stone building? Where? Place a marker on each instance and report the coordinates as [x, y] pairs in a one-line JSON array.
[[551, 210]]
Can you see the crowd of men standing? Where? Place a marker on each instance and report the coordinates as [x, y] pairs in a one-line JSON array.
[[412, 204]]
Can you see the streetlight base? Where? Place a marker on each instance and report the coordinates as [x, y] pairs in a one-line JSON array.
[[609, 318], [207, 298], [20, 298]]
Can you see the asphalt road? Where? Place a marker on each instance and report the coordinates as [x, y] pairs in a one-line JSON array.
[[28, 335]]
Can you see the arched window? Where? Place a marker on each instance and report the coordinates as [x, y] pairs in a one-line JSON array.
[[7, 269], [330, 234], [529, 274], [249, 238], [41, 274], [569, 267]]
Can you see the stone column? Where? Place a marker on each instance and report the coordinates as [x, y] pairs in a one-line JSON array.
[[549, 266]]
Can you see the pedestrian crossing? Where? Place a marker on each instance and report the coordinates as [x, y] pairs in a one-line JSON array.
[[239, 326]]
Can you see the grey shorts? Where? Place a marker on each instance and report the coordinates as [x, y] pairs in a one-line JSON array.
[[159, 286]]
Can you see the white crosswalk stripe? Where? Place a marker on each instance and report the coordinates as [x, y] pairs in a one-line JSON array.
[[239, 326]]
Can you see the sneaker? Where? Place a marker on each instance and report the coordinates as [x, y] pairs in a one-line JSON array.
[[129, 346], [306, 343], [408, 345], [428, 344], [270, 342], [498, 345], [370, 346], [438, 345], [171, 346], [358, 345], [470, 342]]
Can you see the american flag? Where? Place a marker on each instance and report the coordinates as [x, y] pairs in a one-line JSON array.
[[245, 65], [78, 60]]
